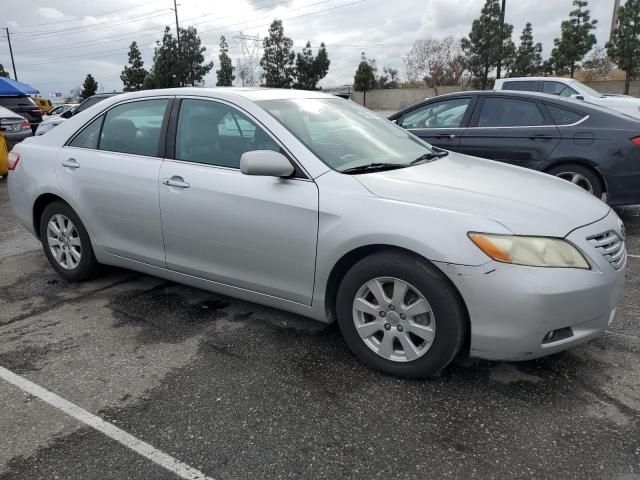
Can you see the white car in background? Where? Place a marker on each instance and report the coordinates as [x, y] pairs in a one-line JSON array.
[[568, 87], [60, 109]]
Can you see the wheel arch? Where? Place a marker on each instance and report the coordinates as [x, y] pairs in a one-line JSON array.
[[350, 258], [582, 162], [38, 209]]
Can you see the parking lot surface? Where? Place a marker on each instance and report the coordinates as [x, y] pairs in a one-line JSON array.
[[236, 390]]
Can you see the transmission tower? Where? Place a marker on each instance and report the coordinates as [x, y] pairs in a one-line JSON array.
[[249, 71]]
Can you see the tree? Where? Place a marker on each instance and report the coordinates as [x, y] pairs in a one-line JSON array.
[[225, 74], [365, 78], [3, 72], [133, 75], [192, 67], [528, 57], [389, 78], [436, 62], [309, 69], [597, 66], [177, 66], [575, 41], [488, 43], [89, 88], [624, 47], [277, 60]]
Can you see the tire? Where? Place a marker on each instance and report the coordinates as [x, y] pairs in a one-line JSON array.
[[445, 315], [76, 261], [580, 175]]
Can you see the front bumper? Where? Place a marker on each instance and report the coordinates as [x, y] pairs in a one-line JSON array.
[[513, 308]]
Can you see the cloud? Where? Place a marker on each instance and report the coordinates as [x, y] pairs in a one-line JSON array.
[[56, 47]]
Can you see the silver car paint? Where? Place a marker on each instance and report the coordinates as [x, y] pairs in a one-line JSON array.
[[427, 209]]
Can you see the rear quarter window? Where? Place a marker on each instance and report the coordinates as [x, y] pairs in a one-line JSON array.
[[562, 116]]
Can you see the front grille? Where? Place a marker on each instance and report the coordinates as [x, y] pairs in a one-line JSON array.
[[611, 246]]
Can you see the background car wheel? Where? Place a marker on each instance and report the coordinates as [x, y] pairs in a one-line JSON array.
[[584, 177], [66, 243], [400, 315]]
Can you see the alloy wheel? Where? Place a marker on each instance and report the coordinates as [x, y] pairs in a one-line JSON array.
[[394, 319], [576, 178], [64, 241]]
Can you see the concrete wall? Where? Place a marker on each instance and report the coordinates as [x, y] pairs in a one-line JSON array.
[[397, 98]]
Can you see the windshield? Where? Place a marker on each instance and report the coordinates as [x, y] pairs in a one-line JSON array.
[[588, 90], [345, 135]]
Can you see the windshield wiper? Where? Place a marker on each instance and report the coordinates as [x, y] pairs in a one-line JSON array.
[[430, 156], [372, 167]]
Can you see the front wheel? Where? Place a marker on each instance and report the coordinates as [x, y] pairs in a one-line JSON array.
[[66, 243], [400, 315]]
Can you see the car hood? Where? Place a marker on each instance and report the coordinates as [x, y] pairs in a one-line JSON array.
[[623, 103], [524, 201]]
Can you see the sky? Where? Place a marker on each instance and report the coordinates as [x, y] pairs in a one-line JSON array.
[[56, 43]]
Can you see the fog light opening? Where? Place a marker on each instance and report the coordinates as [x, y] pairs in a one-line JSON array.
[[557, 335]]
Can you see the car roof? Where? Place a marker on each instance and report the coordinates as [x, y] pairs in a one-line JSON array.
[[579, 105], [524, 79], [250, 93]]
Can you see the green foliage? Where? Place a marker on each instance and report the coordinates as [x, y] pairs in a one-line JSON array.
[[3, 72], [192, 68], [389, 78], [624, 47], [225, 74], [309, 69], [177, 66], [528, 57], [575, 40], [488, 43], [365, 78], [90, 87], [134, 74], [277, 60]]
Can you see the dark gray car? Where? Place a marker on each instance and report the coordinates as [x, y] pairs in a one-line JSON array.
[[591, 146]]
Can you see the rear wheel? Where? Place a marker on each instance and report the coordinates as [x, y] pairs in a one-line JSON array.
[[579, 175], [66, 243], [400, 315]]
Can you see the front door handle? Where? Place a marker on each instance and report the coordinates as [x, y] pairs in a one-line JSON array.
[[447, 135], [175, 181], [71, 163]]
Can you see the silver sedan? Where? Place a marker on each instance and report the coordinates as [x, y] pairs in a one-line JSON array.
[[315, 205]]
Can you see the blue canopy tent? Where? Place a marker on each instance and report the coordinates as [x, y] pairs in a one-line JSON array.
[[13, 88]]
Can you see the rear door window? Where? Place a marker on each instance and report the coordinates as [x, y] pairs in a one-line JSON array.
[[526, 86], [134, 127], [510, 112]]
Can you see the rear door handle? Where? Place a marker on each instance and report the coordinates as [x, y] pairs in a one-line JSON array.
[[175, 181], [447, 135], [544, 138], [71, 163]]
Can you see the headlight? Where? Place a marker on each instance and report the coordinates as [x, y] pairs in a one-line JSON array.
[[530, 251]]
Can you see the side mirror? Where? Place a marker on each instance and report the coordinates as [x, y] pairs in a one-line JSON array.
[[265, 163], [577, 97], [67, 114]]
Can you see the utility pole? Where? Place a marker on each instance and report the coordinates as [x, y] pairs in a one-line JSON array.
[[501, 38], [614, 18], [175, 9], [13, 63]]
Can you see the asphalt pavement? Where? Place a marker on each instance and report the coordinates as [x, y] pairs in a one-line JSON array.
[[234, 390]]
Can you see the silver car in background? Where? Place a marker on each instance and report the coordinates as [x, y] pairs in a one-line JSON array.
[[15, 128], [305, 202]]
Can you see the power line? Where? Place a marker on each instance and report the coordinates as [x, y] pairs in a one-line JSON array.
[[95, 15]]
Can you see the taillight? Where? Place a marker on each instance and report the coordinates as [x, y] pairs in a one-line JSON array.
[[13, 160], [636, 141], [26, 125]]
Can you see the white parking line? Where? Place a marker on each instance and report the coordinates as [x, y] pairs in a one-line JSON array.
[[633, 256], [108, 429]]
